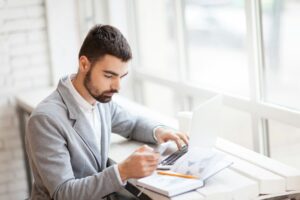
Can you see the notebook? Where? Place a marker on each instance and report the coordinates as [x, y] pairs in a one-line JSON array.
[[201, 160]]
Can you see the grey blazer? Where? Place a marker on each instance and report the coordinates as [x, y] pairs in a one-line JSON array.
[[64, 159]]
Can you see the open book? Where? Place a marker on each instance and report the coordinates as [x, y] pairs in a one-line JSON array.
[[204, 166]]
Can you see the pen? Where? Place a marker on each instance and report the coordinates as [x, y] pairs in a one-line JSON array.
[[176, 174]]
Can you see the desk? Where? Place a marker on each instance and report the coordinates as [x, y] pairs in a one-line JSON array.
[[252, 176]]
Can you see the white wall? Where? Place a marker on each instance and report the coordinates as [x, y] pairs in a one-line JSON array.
[[63, 37], [24, 65]]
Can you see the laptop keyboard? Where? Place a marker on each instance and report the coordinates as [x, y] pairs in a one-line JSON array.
[[171, 159]]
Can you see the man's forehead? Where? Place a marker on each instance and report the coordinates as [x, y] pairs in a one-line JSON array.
[[114, 64]]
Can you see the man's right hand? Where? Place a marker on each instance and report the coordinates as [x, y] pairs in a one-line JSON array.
[[141, 163]]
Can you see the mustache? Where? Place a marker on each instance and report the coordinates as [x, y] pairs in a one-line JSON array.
[[111, 91]]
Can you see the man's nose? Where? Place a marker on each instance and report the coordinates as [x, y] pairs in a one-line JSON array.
[[116, 84]]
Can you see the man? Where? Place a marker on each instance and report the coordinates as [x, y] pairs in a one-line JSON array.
[[68, 134]]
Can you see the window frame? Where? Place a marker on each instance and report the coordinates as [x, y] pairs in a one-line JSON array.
[[255, 105]]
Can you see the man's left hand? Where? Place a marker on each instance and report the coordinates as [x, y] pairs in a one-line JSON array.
[[165, 134]]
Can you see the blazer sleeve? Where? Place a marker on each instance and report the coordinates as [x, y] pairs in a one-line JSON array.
[[48, 152], [132, 126]]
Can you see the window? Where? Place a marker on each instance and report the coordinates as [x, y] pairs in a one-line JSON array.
[[281, 20], [157, 37], [159, 98], [217, 45], [190, 50]]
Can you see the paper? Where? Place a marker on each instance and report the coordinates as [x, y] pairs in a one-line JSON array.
[[197, 162], [193, 162]]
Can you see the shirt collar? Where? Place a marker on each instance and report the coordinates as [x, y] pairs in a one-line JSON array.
[[83, 104]]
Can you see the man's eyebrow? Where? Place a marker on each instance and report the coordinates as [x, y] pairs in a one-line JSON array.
[[111, 72], [114, 73], [124, 75]]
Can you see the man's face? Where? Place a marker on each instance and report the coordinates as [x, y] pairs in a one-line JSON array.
[[104, 78]]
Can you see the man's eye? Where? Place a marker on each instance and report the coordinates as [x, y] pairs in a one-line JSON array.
[[108, 76]]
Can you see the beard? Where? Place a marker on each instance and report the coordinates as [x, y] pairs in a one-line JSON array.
[[103, 97]]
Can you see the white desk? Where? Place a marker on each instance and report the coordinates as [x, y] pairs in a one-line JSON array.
[[252, 176]]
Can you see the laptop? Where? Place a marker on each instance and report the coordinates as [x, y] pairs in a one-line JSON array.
[[204, 130]]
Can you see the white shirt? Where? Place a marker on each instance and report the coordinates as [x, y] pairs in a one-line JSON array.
[[90, 112], [92, 115]]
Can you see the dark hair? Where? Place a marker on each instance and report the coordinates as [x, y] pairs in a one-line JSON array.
[[102, 40]]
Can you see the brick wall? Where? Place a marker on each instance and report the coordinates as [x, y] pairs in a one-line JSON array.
[[24, 65]]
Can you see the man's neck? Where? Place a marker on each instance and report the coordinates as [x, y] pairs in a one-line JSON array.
[[79, 86]]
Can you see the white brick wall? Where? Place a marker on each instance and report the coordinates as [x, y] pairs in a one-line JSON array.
[[24, 65]]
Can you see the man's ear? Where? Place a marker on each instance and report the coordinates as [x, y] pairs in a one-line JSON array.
[[84, 64]]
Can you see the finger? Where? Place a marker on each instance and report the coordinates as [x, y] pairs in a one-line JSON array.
[[147, 155], [151, 156], [151, 168], [176, 139], [178, 142], [183, 137], [145, 148], [152, 164], [149, 165], [148, 173]]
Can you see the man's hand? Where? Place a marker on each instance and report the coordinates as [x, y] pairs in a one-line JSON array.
[[141, 163], [163, 135]]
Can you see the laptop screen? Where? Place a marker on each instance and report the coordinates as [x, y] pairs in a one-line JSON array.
[[206, 123]]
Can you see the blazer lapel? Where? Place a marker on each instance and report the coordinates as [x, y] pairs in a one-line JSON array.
[[104, 139], [81, 125]]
